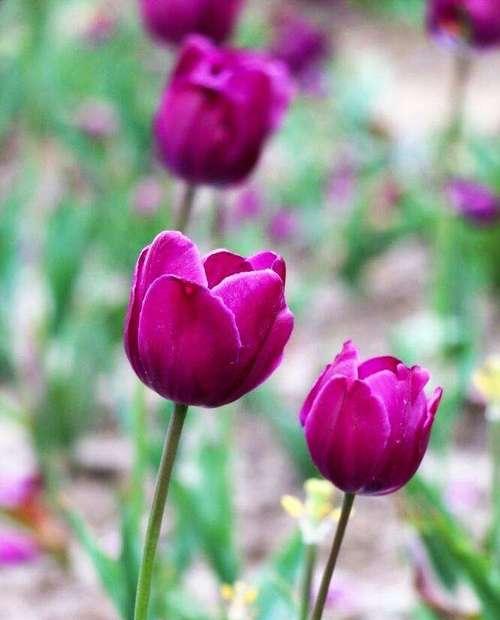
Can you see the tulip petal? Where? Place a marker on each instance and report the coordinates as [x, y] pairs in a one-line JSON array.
[[347, 431], [132, 318], [311, 397], [221, 263], [377, 364], [346, 362], [171, 253], [408, 412], [270, 355], [269, 260], [255, 299], [188, 342]]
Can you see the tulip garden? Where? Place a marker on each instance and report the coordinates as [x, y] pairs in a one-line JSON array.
[[250, 272]]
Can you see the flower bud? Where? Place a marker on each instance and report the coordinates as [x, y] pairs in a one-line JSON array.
[[475, 202], [474, 23], [170, 21], [218, 111], [301, 46], [17, 548], [367, 424], [205, 331]]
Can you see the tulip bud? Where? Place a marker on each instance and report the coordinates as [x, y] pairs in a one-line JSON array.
[[17, 548], [475, 202], [301, 46], [205, 331], [170, 21], [475, 23], [218, 111], [283, 227], [368, 424]]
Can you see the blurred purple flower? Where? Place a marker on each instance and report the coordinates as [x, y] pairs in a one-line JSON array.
[[248, 206], [342, 184], [205, 331], [170, 21], [101, 27], [17, 491], [218, 111], [302, 46], [148, 196], [473, 201], [16, 548], [97, 119], [367, 424], [283, 226], [465, 22]]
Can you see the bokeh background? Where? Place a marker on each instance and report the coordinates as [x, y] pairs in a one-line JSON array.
[[352, 192]]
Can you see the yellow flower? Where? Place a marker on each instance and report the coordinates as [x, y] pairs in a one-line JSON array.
[[487, 380]]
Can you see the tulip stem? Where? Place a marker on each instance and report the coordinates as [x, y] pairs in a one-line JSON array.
[[334, 554], [311, 553], [185, 207], [157, 510]]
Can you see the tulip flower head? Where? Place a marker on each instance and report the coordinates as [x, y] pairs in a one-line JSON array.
[[472, 23], [301, 45], [218, 111], [170, 21], [239, 600], [17, 548], [368, 424], [474, 202], [205, 331]]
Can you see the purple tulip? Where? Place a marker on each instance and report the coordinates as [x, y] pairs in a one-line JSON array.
[[205, 331], [301, 46], [368, 424], [283, 226], [475, 202], [17, 548], [18, 491], [170, 21], [218, 111], [471, 22]]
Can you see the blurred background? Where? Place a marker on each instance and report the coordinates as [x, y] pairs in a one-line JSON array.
[[362, 192]]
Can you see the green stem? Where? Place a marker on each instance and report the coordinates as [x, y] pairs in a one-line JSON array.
[[157, 510], [186, 207], [310, 564], [493, 416], [462, 71], [334, 554]]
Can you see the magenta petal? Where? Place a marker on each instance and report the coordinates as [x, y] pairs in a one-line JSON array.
[[311, 397], [255, 298], [433, 405], [171, 253], [346, 362], [377, 364], [188, 342], [269, 356], [132, 319], [269, 260], [17, 548], [221, 263], [347, 430], [407, 413]]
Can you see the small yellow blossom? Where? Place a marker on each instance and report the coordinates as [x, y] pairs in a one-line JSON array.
[[240, 599], [487, 380], [317, 513]]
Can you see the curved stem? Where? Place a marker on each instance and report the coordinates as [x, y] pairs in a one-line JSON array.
[[185, 207], [310, 564], [334, 554], [157, 510]]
